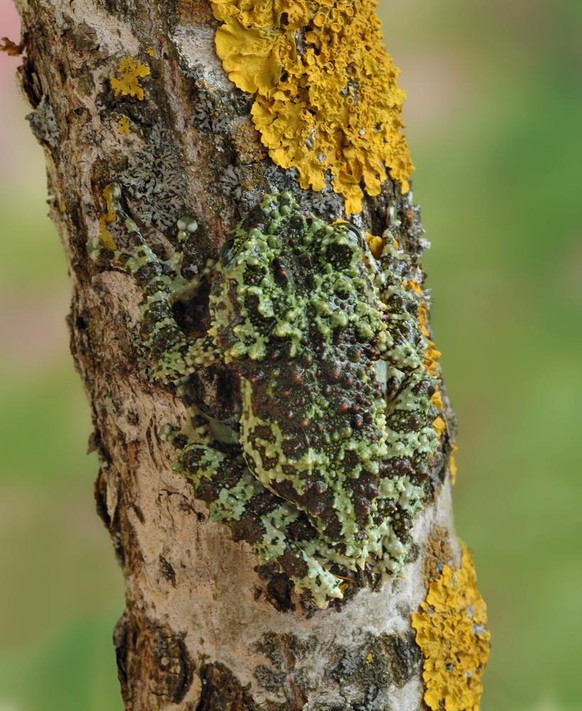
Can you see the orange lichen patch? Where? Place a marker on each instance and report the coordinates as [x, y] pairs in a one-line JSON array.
[[247, 143], [437, 553], [326, 97], [195, 11], [376, 244], [431, 353], [451, 632], [126, 83], [123, 125], [150, 51], [413, 285], [105, 237], [431, 356], [453, 464], [439, 426], [437, 399]]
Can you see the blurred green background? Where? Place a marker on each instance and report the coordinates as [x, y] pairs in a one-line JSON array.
[[495, 126]]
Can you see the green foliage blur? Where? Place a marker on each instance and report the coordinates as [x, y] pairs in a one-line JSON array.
[[494, 116]]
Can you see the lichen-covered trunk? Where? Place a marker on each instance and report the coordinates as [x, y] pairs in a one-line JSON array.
[[279, 580]]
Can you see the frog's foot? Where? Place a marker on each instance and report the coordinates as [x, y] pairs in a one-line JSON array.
[[162, 283], [171, 433]]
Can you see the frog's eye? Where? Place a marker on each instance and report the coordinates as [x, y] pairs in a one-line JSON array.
[[226, 251], [357, 234]]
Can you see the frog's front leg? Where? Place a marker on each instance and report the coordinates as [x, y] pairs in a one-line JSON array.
[[174, 355]]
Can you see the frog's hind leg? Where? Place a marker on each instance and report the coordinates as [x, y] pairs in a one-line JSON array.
[[276, 530], [175, 355]]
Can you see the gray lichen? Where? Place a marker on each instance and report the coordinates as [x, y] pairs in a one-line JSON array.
[[43, 123]]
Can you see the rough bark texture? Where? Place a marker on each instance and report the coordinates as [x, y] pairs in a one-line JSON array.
[[202, 629]]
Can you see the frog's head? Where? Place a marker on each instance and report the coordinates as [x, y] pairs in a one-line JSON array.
[[256, 311], [287, 283]]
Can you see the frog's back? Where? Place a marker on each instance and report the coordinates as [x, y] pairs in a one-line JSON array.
[[299, 316]]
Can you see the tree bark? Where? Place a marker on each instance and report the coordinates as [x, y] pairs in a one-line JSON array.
[[134, 94]]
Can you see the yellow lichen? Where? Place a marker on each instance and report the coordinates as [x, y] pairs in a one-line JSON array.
[[439, 426], [326, 97], [451, 632], [431, 353], [437, 399], [105, 237], [123, 125], [431, 356], [453, 463], [376, 244], [439, 423], [126, 83]]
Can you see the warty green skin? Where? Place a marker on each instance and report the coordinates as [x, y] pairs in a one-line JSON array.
[[336, 417]]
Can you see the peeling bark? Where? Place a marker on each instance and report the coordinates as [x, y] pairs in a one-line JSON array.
[[202, 629]]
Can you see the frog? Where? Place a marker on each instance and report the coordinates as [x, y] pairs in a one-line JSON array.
[[334, 434]]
